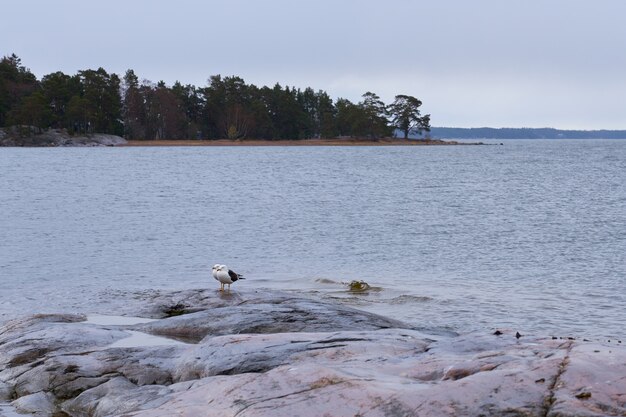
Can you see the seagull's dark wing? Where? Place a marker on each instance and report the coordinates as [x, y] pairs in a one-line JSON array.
[[233, 275]]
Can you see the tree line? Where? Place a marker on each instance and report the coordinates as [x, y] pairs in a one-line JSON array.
[[227, 107]]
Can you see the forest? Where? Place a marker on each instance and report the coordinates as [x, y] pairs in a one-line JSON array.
[[95, 101]]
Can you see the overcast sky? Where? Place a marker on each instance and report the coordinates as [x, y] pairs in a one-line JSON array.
[[501, 63]]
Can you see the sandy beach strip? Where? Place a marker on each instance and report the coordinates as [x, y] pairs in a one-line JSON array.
[[303, 142]]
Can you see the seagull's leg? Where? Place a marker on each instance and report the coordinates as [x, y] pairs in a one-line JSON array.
[[228, 287], [221, 286]]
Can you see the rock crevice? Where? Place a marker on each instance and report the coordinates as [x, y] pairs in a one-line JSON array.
[[556, 380]]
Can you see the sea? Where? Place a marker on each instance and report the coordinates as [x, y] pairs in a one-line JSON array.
[[527, 235]]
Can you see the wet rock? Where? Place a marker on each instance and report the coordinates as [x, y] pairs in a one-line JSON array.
[[261, 313]]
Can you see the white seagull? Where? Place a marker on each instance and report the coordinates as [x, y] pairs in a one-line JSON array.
[[226, 276], [214, 272]]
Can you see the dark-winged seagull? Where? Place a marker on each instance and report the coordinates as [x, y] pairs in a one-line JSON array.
[[226, 276]]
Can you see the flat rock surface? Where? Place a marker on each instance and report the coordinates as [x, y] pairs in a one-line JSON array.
[[275, 354]]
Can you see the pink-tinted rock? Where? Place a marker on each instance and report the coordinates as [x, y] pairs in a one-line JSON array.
[[56, 363], [592, 382]]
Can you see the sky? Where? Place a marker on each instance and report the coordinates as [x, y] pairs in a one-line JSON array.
[[497, 63]]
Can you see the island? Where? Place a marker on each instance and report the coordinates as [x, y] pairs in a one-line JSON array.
[[96, 101]]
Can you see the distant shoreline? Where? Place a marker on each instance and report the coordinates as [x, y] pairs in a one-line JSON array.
[[479, 133], [302, 142]]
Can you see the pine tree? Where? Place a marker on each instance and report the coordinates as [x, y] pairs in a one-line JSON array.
[[406, 115]]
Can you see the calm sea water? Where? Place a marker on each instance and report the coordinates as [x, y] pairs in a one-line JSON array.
[[530, 235]]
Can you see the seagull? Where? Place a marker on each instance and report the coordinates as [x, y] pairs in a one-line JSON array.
[[226, 276], [214, 272]]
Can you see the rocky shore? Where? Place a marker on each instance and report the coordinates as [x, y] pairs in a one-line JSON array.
[[28, 136], [261, 353]]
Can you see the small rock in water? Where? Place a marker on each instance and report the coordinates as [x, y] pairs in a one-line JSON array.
[[358, 286], [517, 335], [497, 333]]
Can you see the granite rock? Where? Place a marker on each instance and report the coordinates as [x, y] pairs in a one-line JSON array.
[[34, 137], [275, 354]]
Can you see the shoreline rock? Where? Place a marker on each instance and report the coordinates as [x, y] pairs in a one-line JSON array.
[[275, 354], [28, 136]]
